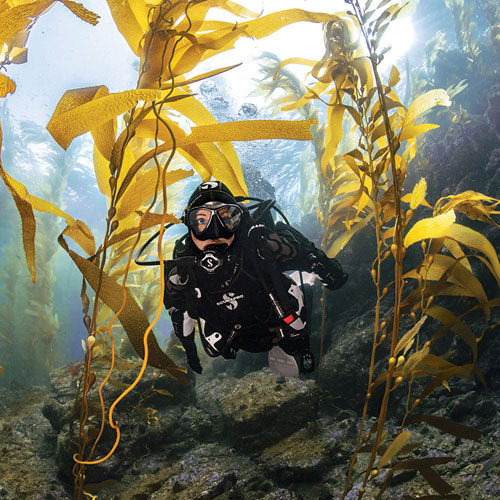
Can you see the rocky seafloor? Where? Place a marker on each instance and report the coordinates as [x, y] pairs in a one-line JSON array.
[[230, 435]]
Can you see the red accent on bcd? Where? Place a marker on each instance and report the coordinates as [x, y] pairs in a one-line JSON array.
[[288, 319]]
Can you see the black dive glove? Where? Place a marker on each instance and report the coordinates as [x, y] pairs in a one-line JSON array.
[[192, 357], [329, 271]]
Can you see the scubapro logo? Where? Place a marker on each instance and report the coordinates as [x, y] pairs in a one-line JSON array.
[[230, 300], [209, 185], [210, 262]]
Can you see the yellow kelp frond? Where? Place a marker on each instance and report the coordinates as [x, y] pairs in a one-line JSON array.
[[341, 241], [312, 93], [406, 341], [130, 17], [394, 449], [209, 161], [84, 110], [17, 55], [409, 132], [144, 187], [199, 145], [446, 425], [132, 317], [81, 234], [19, 17], [471, 204], [293, 60], [475, 240], [46, 206], [157, 68], [454, 271], [333, 135], [423, 103], [15, 50], [28, 224], [454, 324], [195, 111], [105, 136], [26, 203], [7, 86], [418, 194], [1, 370], [190, 107], [237, 9], [182, 82], [205, 39], [434, 227], [247, 130], [80, 11], [102, 172], [148, 220], [252, 130], [265, 26], [456, 250]]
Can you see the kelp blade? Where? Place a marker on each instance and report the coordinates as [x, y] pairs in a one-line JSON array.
[[132, 317]]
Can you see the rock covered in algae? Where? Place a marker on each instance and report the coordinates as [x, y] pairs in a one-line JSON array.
[[344, 369], [308, 453], [260, 408], [27, 464]]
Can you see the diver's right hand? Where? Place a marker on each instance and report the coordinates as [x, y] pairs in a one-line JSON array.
[[192, 354], [194, 364]]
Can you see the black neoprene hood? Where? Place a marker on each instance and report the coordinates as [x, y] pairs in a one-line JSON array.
[[210, 191]]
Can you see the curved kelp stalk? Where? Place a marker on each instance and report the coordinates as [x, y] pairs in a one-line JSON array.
[[137, 134], [364, 187]]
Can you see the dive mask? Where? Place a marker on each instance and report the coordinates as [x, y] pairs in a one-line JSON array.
[[213, 220]]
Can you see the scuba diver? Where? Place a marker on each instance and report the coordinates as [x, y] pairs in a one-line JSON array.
[[228, 274]]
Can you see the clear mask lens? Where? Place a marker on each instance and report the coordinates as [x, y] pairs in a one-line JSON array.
[[228, 217]]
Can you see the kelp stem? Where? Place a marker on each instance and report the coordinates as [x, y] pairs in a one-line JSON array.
[[374, 198], [398, 255], [80, 463]]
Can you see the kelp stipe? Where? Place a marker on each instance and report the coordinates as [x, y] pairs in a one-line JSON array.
[[365, 187], [398, 127], [112, 225]]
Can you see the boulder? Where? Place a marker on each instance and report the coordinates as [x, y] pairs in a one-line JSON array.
[[260, 408]]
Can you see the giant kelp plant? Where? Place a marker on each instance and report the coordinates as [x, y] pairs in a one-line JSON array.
[[365, 186], [133, 159]]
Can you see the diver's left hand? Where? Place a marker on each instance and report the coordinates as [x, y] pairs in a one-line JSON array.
[[329, 271], [257, 231]]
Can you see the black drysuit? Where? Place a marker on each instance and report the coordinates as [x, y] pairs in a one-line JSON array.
[[241, 295]]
